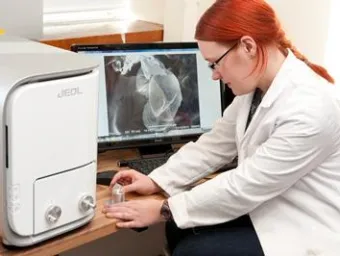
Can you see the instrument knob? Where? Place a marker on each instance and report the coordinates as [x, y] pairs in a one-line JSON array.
[[53, 213], [86, 203]]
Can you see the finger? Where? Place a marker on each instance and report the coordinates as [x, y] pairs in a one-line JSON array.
[[124, 181], [107, 208], [126, 174], [124, 207], [130, 187], [110, 206], [128, 224], [119, 215]]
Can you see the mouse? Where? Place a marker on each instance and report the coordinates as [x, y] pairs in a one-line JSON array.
[[105, 177]]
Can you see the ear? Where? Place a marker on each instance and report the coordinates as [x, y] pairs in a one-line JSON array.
[[249, 46]]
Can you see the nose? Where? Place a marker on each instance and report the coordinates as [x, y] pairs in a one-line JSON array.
[[216, 75]]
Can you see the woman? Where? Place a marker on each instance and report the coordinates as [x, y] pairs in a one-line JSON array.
[[284, 124]]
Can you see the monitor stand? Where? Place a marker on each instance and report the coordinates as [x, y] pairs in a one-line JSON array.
[[155, 150]]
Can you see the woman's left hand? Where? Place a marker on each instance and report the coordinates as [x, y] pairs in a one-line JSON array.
[[135, 213]]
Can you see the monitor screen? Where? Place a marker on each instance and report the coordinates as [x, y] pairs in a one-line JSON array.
[[154, 94]]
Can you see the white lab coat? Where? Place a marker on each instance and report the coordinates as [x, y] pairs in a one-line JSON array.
[[288, 177]]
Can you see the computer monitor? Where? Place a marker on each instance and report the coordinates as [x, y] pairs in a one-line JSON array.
[[154, 95]]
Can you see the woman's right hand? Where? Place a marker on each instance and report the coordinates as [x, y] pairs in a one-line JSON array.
[[134, 181]]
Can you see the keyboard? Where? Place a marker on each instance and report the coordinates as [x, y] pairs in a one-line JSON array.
[[145, 165]]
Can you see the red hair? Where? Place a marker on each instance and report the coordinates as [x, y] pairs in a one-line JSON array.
[[226, 21]]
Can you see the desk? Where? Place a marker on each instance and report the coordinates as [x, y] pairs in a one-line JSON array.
[[99, 227]]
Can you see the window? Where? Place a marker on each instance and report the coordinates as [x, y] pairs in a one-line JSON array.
[[61, 12]]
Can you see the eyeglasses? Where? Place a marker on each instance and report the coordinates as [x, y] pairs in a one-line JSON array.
[[213, 65]]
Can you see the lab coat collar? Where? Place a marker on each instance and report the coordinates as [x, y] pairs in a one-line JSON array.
[[280, 80], [276, 88]]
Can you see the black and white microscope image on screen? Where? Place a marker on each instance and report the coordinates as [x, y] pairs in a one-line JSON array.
[[151, 93]]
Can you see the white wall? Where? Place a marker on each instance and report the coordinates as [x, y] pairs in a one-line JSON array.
[[305, 21], [174, 24], [180, 18], [333, 42], [22, 18], [149, 10]]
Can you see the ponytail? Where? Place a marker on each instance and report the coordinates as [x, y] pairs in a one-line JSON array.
[[284, 44]]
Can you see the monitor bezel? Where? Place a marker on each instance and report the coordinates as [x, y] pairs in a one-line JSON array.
[[103, 146]]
